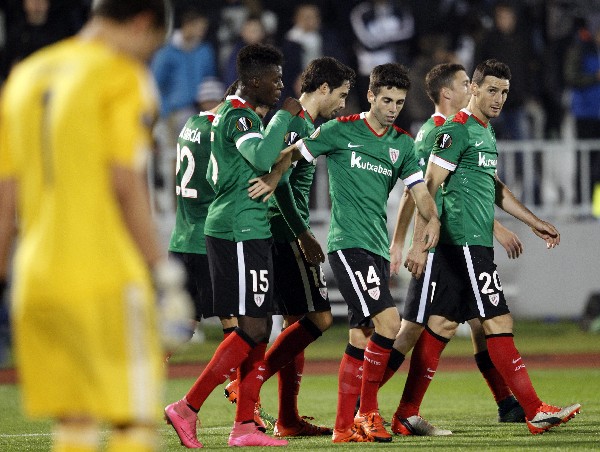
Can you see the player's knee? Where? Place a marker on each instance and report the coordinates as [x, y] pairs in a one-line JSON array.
[[323, 320]]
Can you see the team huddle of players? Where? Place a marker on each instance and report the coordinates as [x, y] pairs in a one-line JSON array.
[[243, 233]]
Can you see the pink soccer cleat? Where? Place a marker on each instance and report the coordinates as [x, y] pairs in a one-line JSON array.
[[248, 434], [184, 420]]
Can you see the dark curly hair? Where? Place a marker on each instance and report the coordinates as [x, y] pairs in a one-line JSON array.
[[389, 75], [493, 68], [440, 76], [325, 70], [255, 59]]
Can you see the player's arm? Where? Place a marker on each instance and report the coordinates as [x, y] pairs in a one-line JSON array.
[[507, 202], [508, 239], [416, 259], [8, 228], [406, 210], [264, 151]]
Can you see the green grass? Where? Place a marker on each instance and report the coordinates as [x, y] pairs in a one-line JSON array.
[[459, 401], [531, 337]]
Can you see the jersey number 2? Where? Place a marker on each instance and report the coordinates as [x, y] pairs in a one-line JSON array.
[[185, 153]]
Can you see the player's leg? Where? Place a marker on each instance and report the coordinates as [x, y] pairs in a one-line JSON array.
[[509, 409], [350, 382], [255, 262], [133, 438], [363, 280], [225, 266], [76, 434], [498, 326], [301, 294]]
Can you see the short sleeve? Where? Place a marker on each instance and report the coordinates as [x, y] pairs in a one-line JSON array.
[[320, 142], [450, 142]]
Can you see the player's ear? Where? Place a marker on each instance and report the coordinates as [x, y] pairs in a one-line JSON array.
[[370, 96]]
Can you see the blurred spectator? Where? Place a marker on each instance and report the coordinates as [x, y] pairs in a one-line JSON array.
[[582, 75], [384, 31], [510, 43], [179, 68], [232, 16], [305, 41], [252, 32], [210, 93], [33, 24]]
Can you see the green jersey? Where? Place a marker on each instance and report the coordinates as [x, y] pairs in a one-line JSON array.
[[363, 168], [194, 193], [467, 147], [288, 208], [424, 142], [241, 151]]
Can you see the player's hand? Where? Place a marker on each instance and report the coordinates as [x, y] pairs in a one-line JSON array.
[[416, 260], [264, 185], [547, 232], [175, 308], [431, 234], [311, 248], [395, 258], [509, 240], [292, 106]]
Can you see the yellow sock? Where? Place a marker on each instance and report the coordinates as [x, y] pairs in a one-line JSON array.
[[76, 438], [596, 200], [134, 439]]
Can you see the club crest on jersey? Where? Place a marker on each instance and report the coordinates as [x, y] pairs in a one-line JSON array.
[[444, 141], [291, 138], [243, 124], [374, 292], [315, 134], [494, 299], [323, 292], [394, 153], [259, 299]]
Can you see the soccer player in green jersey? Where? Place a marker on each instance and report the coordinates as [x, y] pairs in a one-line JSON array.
[[366, 155], [447, 85], [464, 160], [238, 241], [300, 288]]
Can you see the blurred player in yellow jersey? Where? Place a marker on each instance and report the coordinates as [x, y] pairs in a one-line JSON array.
[[74, 131]]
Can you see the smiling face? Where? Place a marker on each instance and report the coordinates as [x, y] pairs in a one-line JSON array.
[[269, 86], [385, 106], [488, 97]]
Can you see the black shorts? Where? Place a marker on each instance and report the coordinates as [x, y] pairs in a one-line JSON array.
[[242, 277], [363, 279], [198, 282], [467, 284], [299, 286], [420, 294]]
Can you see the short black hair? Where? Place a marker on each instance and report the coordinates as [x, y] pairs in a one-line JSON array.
[[440, 76], [389, 75], [254, 59], [325, 70], [493, 68], [123, 10]]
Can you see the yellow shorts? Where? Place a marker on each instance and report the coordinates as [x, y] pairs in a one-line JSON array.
[[88, 355]]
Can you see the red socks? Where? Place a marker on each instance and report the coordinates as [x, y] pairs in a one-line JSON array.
[[508, 361], [349, 384], [377, 355], [251, 381], [291, 341], [289, 386], [494, 380], [228, 356], [226, 332], [423, 364], [396, 360]]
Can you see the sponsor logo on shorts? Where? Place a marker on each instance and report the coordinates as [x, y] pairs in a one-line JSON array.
[[259, 299], [374, 292], [495, 299]]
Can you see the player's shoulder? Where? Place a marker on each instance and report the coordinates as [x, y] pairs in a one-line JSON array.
[[461, 117], [350, 118]]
